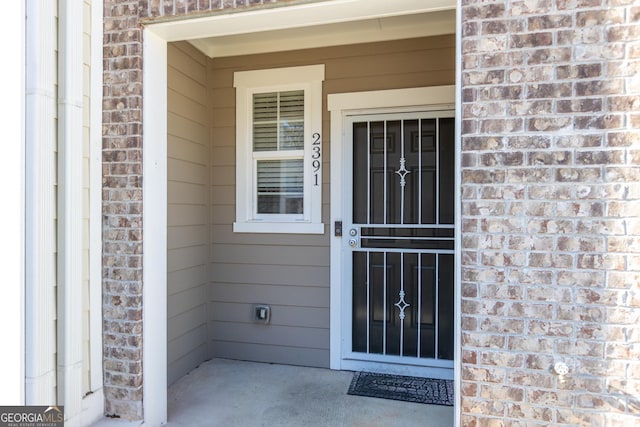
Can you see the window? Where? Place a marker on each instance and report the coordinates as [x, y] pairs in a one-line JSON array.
[[278, 150]]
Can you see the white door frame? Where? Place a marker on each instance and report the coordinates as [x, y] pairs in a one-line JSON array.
[[350, 360], [156, 36], [340, 107]]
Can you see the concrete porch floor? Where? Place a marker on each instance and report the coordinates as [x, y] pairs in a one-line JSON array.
[[230, 393]]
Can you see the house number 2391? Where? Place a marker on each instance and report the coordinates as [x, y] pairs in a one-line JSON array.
[[316, 157]]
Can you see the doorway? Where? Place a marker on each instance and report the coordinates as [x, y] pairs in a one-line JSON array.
[[398, 266], [155, 157], [395, 233]]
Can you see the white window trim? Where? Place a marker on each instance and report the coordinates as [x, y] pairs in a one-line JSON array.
[[247, 83]]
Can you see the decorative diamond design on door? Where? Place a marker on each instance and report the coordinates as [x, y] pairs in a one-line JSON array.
[[402, 305], [402, 172]]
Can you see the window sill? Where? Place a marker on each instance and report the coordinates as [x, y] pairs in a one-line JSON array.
[[278, 227]]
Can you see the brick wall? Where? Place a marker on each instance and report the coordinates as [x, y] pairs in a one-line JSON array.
[[550, 257], [174, 8], [550, 212], [122, 210], [122, 188]]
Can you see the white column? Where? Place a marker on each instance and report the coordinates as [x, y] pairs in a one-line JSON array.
[[154, 218], [40, 181], [70, 70], [12, 188]]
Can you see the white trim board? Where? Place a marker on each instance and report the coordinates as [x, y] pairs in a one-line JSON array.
[[409, 99], [69, 205], [12, 173], [95, 198], [154, 214], [40, 244], [457, 263], [340, 106]]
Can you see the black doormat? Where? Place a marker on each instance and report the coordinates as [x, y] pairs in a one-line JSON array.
[[396, 387]]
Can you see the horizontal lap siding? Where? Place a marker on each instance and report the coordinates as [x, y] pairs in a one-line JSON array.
[[187, 210], [291, 272]]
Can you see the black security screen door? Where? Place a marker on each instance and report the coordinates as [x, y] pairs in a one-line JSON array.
[[402, 235]]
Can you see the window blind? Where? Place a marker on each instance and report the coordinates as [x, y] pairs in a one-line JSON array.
[[280, 185], [278, 121]]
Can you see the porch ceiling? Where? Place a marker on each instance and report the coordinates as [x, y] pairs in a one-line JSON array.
[[334, 34], [308, 25]]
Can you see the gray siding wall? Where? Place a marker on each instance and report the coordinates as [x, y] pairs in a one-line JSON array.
[[291, 272], [188, 209]]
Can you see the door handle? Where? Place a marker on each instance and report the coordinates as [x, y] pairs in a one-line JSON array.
[[353, 243]]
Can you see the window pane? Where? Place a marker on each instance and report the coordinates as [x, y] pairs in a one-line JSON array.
[[278, 121], [291, 135], [265, 106], [265, 137], [292, 105], [280, 186]]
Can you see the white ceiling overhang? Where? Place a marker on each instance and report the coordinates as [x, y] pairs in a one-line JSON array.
[[310, 25]]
